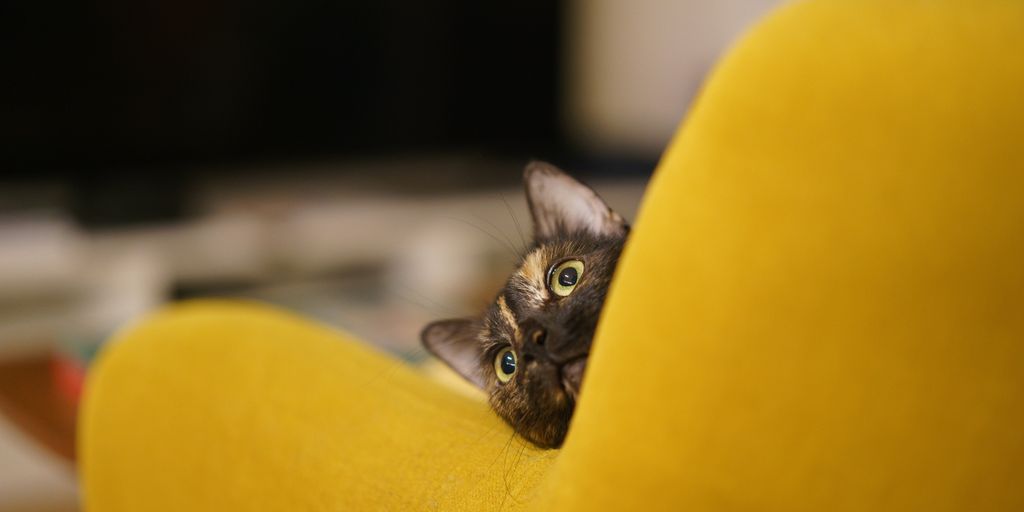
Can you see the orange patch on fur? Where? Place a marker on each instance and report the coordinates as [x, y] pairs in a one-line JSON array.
[[507, 315], [534, 273]]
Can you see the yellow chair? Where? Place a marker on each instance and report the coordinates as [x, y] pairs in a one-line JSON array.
[[821, 308]]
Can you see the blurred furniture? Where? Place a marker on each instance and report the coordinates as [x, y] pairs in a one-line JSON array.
[[634, 67], [34, 396], [820, 309]]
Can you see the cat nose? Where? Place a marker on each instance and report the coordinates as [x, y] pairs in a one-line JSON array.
[[539, 336], [534, 347]]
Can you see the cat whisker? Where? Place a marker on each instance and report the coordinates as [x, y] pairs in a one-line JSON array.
[[390, 369], [438, 307], [519, 229], [511, 472], [508, 241], [431, 309], [505, 244], [504, 450]]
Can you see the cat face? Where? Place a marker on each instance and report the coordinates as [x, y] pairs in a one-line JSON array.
[[529, 349]]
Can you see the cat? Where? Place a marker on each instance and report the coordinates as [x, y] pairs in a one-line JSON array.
[[528, 350]]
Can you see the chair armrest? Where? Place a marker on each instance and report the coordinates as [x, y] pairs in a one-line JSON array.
[[216, 405]]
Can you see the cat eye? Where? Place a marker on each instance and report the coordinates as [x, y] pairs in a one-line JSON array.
[[562, 278], [505, 365]]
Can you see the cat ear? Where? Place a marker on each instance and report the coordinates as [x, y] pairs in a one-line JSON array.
[[560, 205], [455, 342]]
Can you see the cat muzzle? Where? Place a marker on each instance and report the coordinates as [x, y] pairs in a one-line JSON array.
[[572, 375]]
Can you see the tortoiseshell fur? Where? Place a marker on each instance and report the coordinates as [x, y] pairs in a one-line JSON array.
[[550, 334], [535, 402]]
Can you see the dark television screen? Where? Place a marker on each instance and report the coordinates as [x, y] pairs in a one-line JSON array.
[[98, 86]]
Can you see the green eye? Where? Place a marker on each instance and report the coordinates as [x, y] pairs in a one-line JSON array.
[[562, 278], [505, 365]]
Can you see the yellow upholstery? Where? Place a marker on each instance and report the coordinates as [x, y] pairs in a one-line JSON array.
[[821, 308], [229, 406]]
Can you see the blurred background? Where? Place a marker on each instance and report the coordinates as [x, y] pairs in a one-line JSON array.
[[359, 162]]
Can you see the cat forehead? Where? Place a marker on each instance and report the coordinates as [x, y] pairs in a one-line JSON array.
[[527, 287], [528, 284]]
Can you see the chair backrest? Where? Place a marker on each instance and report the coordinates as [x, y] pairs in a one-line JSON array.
[[822, 305]]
